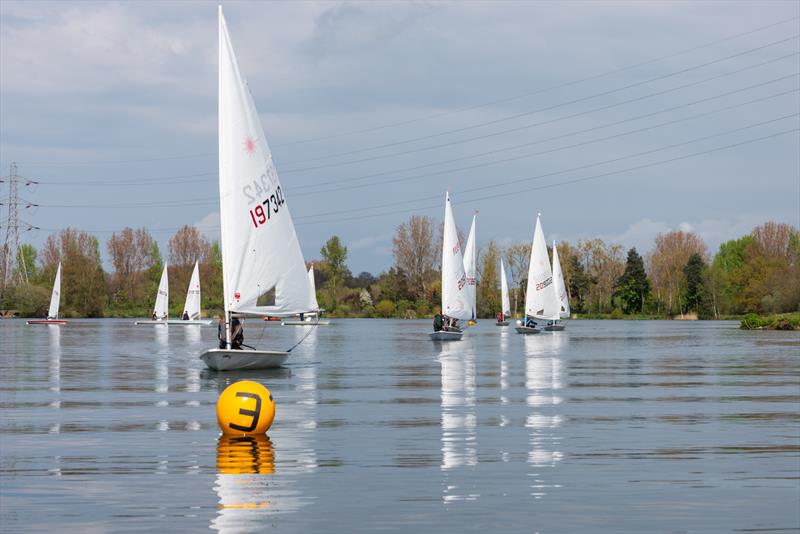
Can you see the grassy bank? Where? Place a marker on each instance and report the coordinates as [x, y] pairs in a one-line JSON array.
[[783, 321]]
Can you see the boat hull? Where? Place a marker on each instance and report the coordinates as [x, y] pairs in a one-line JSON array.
[[243, 360], [443, 335], [305, 323], [47, 321], [501, 323], [554, 327], [527, 330]]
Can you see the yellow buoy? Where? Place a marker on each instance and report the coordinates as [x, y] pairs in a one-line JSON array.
[[245, 409]]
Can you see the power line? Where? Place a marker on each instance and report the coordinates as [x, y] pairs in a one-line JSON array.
[[537, 91], [548, 108], [559, 184]]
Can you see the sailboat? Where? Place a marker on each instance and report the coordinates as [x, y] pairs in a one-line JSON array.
[[504, 302], [471, 271], [311, 319], [263, 270], [191, 309], [560, 293], [456, 302], [55, 300], [540, 300], [161, 307]]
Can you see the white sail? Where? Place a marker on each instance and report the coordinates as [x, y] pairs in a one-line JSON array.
[[160, 310], [559, 287], [192, 306], [455, 298], [504, 290], [313, 304], [55, 297], [540, 298], [260, 251], [469, 268]]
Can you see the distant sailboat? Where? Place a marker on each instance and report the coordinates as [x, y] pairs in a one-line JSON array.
[[309, 319], [504, 302], [161, 307], [540, 301], [191, 309], [261, 256], [55, 301], [456, 302], [560, 293], [470, 269]]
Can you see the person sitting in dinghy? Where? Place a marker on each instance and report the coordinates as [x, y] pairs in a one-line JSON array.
[[530, 323], [185, 315], [438, 322], [237, 333]]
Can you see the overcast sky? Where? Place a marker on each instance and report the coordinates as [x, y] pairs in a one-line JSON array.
[[614, 120]]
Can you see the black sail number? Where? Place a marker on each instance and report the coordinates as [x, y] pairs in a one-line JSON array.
[[255, 414]]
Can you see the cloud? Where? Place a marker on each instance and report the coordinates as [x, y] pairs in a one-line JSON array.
[[209, 226]]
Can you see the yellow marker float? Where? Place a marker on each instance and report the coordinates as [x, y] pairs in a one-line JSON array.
[[245, 409]]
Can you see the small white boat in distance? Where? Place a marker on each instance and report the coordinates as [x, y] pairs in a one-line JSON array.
[[540, 299], [456, 299], [309, 319], [191, 309], [504, 302], [55, 301], [261, 256], [560, 292], [160, 309]]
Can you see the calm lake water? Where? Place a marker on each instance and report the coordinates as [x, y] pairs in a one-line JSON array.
[[610, 426]]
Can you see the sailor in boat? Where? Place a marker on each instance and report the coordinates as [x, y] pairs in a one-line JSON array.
[[529, 322], [155, 317], [500, 317], [185, 315], [237, 333], [438, 322]]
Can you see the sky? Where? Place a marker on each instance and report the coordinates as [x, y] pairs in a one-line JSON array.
[[617, 120]]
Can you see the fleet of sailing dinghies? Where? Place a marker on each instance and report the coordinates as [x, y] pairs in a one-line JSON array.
[[261, 256], [541, 300], [191, 309], [506, 305], [55, 300], [309, 319], [456, 303]]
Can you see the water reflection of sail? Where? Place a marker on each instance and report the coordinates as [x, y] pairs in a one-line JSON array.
[[193, 335], [543, 379], [54, 371], [161, 363], [459, 421], [244, 466]]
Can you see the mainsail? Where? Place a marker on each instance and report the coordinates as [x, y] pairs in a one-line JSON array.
[[55, 297], [313, 304], [455, 298], [261, 256], [540, 298], [469, 268], [192, 306], [161, 308], [558, 286], [504, 290]]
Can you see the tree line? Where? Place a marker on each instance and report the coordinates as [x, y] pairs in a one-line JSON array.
[[756, 273]]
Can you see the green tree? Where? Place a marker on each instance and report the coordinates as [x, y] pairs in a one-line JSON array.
[[335, 256], [694, 272], [579, 284], [633, 287], [26, 262], [489, 289]]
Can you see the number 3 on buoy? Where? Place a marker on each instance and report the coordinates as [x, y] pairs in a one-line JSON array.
[[245, 408]]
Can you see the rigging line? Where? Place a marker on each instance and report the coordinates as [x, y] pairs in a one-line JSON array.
[[582, 167], [557, 119], [504, 149], [390, 204], [305, 336], [526, 113], [493, 162], [537, 91]]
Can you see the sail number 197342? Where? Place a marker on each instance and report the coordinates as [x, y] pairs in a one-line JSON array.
[[263, 212]]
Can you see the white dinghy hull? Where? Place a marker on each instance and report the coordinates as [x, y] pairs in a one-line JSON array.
[[243, 360], [446, 336], [554, 327], [297, 322], [151, 321], [527, 330], [501, 323]]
